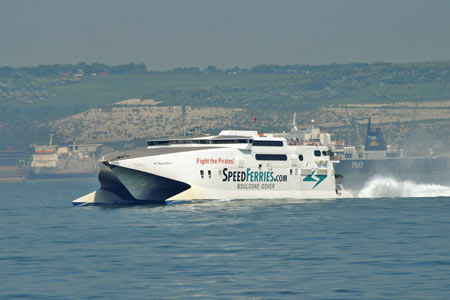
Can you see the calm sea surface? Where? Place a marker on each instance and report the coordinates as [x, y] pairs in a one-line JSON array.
[[364, 248]]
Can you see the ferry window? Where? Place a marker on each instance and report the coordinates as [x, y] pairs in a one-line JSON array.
[[268, 143], [300, 157], [219, 142], [180, 142], [291, 171], [209, 173], [324, 153], [238, 141], [316, 152], [201, 141], [157, 143], [201, 173], [271, 157]]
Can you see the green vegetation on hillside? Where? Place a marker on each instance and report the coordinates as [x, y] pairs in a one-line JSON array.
[[33, 95]]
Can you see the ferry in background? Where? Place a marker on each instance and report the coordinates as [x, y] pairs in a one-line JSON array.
[[64, 161], [231, 165], [374, 158], [377, 158]]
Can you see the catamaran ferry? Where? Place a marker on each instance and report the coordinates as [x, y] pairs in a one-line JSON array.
[[232, 165]]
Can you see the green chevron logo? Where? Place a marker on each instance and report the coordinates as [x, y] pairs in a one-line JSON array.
[[318, 179]]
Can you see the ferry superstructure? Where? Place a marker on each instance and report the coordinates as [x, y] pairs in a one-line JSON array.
[[63, 161], [231, 165]]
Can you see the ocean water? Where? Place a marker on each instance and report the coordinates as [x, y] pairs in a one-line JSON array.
[[392, 242]]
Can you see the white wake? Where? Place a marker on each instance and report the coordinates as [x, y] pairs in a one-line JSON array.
[[390, 187]]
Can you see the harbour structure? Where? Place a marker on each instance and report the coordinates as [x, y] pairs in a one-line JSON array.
[[232, 165]]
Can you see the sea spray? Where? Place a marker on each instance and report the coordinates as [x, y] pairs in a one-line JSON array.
[[379, 186]]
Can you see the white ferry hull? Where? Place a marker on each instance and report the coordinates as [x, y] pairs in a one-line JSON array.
[[213, 173]]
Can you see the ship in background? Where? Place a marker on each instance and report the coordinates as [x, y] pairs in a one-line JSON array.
[[64, 161], [12, 166], [375, 157]]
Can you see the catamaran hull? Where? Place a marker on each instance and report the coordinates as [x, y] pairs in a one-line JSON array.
[[166, 174], [126, 186], [123, 185]]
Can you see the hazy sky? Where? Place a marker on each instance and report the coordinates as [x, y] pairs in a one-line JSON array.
[[167, 34]]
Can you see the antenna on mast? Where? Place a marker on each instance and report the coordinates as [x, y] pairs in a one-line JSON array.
[[293, 125]]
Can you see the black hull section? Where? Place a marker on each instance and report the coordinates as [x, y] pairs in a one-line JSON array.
[[136, 186], [394, 167]]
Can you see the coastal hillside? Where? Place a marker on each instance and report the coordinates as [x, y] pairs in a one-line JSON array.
[[84, 102], [135, 118], [410, 124]]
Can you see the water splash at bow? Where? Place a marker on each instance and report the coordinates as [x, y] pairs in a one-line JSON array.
[[390, 187]]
